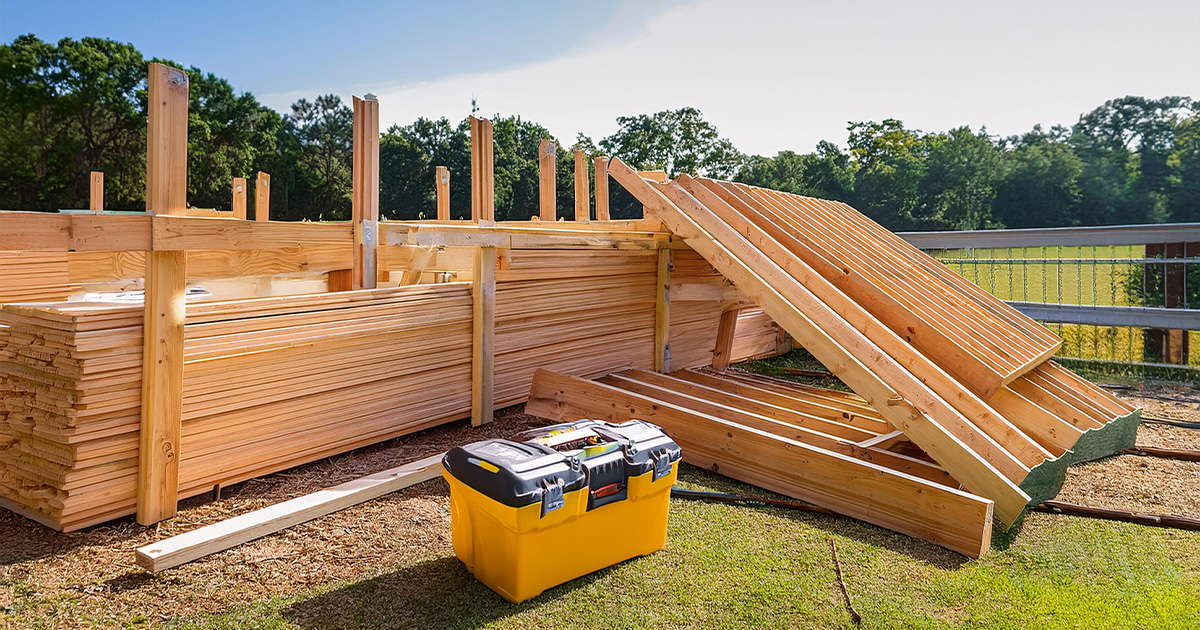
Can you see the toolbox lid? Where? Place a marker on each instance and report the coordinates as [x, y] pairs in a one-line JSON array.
[[643, 446], [515, 474]]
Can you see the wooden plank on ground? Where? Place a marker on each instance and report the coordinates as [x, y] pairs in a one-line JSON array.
[[210, 539], [904, 503]]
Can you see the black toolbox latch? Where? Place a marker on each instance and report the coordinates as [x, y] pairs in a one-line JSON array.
[[662, 464], [552, 496]]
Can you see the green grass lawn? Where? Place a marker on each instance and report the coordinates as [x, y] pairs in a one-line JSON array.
[[729, 566]]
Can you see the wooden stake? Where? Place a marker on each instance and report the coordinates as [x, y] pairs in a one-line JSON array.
[[601, 188], [483, 292], [583, 205], [443, 193], [166, 141], [165, 289], [365, 191], [725, 331], [662, 313], [262, 197], [97, 193], [239, 197], [483, 198], [547, 193]]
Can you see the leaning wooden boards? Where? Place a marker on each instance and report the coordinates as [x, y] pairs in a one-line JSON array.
[[790, 445]]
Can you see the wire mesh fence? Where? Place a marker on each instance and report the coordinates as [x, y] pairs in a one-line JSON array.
[[1125, 299]]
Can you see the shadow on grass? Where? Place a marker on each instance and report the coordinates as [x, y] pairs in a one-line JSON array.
[[433, 594]]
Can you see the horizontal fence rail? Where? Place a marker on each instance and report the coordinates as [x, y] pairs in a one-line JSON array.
[[1057, 237], [1125, 295]]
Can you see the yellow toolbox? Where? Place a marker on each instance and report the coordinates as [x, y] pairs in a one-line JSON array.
[[559, 502]]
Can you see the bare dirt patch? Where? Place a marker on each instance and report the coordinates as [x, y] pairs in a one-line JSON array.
[[94, 570], [1146, 484]]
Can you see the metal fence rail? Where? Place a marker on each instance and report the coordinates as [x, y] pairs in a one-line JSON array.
[[1126, 295]]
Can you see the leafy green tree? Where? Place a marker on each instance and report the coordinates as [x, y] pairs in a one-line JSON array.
[[1127, 145], [1185, 163], [827, 173], [676, 141], [889, 163], [515, 144], [1041, 184], [68, 109], [409, 157], [958, 186], [322, 183]]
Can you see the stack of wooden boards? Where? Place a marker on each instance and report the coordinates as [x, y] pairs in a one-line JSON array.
[[270, 383], [956, 371], [33, 277]]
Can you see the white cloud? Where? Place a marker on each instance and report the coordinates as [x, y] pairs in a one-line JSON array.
[[782, 75]]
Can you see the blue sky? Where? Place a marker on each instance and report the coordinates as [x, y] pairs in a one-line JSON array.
[[771, 75]]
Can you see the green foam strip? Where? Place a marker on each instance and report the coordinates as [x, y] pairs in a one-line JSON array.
[[1046, 479]]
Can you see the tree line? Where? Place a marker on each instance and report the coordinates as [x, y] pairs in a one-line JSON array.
[[75, 106]]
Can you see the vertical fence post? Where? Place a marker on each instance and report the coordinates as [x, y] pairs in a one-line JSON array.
[[1171, 346], [365, 191], [239, 197], [547, 194], [601, 188], [96, 197], [483, 294], [662, 313], [583, 204], [165, 288], [262, 197], [443, 193]]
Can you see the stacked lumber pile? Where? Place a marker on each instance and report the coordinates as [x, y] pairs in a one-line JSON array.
[[698, 295], [34, 277], [757, 336], [586, 312], [69, 399], [268, 384], [958, 372], [591, 312]]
